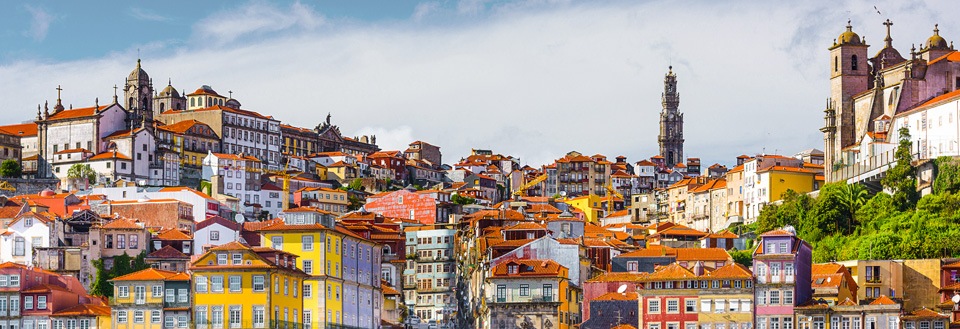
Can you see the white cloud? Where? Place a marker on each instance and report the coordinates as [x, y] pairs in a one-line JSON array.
[[424, 9], [39, 22], [146, 15], [535, 83], [256, 17]]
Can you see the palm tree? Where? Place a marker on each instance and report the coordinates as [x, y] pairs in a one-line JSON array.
[[853, 196]]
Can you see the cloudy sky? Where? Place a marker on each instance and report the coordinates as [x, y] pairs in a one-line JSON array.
[[533, 79]]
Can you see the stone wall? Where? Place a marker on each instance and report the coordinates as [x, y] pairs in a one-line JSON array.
[[30, 186]]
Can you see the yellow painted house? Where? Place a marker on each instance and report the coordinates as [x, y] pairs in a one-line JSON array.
[[236, 286], [312, 235], [590, 205], [151, 299]]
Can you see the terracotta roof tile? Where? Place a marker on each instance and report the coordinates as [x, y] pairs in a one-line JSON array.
[[883, 300], [168, 252], [84, 310], [174, 234], [77, 113], [619, 277], [122, 223], [626, 296], [528, 268], [151, 274], [670, 272], [731, 271]]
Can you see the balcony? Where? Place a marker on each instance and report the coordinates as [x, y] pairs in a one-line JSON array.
[[874, 280], [523, 299], [291, 325]]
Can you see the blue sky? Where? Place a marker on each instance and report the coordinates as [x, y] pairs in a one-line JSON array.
[[530, 78]]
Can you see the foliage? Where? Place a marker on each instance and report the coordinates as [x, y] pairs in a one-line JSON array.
[[462, 200], [10, 168], [742, 257], [948, 176], [122, 265], [82, 171], [355, 203], [356, 185], [902, 178]]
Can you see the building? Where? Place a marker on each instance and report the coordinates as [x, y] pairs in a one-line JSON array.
[[34, 298], [28, 231], [236, 175], [327, 199], [782, 266], [431, 265], [671, 122], [426, 207], [241, 131], [531, 294], [341, 268], [191, 140], [236, 286], [832, 283], [153, 213], [424, 151], [872, 97], [151, 298], [767, 177], [298, 141], [213, 232], [677, 296], [882, 312]]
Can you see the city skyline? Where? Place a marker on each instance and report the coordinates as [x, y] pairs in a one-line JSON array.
[[530, 72]]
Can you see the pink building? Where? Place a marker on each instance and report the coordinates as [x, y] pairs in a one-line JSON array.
[[782, 265]]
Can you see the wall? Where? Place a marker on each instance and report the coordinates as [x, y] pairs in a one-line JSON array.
[[921, 283]]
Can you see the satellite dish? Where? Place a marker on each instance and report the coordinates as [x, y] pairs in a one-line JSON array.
[[239, 218], [563, 193], [622, 289], [956, 299]]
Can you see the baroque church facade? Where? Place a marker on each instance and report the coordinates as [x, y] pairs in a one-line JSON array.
[[873, 96]]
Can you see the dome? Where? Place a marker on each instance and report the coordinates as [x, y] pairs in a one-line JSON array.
[[232, 103], [138, 73], [936, 41], [170, 91], [849, 37], [47, 193]]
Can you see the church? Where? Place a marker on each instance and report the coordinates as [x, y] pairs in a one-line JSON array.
[[873, 96]]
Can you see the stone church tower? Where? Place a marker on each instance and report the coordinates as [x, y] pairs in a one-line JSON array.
[[671, 122], [138, 93]]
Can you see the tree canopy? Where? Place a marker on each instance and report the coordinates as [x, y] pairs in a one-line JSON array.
[[10, 169]]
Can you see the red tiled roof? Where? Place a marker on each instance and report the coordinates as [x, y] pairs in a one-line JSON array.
[[619, 277], [84, 310], [731, 271], [626, 296], [21, 130], [528, 268], [174, 234], [122, 223], [168, 252], [670, 272], [109, 155], [152, 274], [883, 300], [77, 113]]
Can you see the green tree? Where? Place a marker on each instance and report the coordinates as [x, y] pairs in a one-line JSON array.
[[852, 197], [462, 200], [948, 176], [902, 178], [10, 168], [742, 257], [82, 171], [122, 265], [356, 184], [355, 203]]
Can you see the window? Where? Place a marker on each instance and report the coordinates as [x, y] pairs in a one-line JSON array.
[[234, 316], [156, 291], [155, 315], [181, 321], [258, 316], [216, 283], [19, 246], [168, 321], [720, 306], [237, 258], [216, 317], [138, 316], [121, 241], [761, 297], [788, 297], [853, 62], [171, 295], [234, 283], [307, 241], [201, 283], [307, 290], [258, 283], [123, 291], [308, 266], [653, 305], [134, 241], [524, 290], [673, 306], [547, 292], [277, 242], [182, 296], [41, 302], [121, 316], [774, 297], [214, 236], [691, 306], [200, 316], [221, 259]]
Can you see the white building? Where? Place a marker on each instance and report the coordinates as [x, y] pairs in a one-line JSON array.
[[213, 232], [204, 206], [238, 176], [27, 231]]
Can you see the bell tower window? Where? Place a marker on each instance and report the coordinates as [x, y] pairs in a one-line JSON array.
[[836, 64], [853, 62]]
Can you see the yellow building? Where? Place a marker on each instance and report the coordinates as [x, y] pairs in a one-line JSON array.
[[191, 139], [589, 204], [151, 299], [832, 283], [306, 232], [780, 179], [236, 286]]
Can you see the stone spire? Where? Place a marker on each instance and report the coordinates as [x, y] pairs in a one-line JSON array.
[[888, 41]]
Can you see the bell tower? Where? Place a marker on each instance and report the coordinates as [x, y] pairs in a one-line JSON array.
[[138, 94], [849, 75], [671, 122]]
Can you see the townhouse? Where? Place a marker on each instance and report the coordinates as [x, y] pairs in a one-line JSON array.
[[782, 265], [431, 267], [531, 294], [151, 299]]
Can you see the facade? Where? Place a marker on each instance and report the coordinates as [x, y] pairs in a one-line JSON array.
[[27, 232], [426, 208], [190, 140], [298, 141], [782, 266], [677, 297], [531, 294], [431, 265], [880, 313], [151, 299], [236, 175], [341, 268], [153, 213], [424, 151], [671, 122], [236, 286], [327, 199]]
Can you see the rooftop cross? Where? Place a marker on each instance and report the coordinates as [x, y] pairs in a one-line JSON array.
[[888, 40]]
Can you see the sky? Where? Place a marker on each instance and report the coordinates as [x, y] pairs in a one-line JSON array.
[[534, 79]]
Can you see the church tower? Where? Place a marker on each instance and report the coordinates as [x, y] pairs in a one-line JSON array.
[[168, 99], [849, 75], [138, 93], [671, 122]]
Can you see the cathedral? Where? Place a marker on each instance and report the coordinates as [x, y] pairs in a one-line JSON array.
[[873, 96], [671, 122]]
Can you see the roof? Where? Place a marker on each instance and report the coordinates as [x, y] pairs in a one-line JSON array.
[[883, 300], [218, 220], [77, 113], [777, 233], [168, 252], [235, 156], [84, 310], [182, 126], [626, 296], [788, 169], [670, 272], [731, 271], [174, 234], [122, 223], [528, 268], [109, 155], [224, 108], [152, 274], [22, 129], [619, 277]]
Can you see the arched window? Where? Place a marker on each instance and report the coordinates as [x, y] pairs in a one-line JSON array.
[[193, 101], [161, 107], [853, 62], [836, 63], [209, 101], [130, 102]]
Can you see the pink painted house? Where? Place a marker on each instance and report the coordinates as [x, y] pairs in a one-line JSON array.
[[781, 264]]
